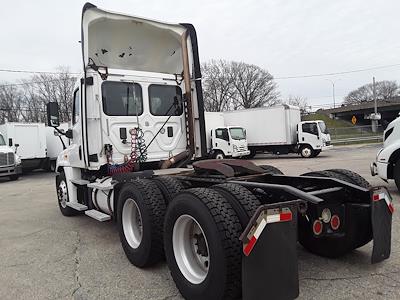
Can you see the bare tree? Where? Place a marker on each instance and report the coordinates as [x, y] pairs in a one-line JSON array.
[[10, 103], [232, 85], [217, 85], [254, 86], [385, 90], [299, 101]]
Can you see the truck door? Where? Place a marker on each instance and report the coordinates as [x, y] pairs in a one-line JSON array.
[[309, 134], [221, 141]]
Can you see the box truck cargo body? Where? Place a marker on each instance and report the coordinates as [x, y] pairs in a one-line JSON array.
[[279, 130]]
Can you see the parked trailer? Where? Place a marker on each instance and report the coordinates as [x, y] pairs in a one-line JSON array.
[[225, 227], [285, 132], [29, 142]]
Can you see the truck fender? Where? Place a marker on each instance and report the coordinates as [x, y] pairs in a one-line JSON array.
[[390, 155]]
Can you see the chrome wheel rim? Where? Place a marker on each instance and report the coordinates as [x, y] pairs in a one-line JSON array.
[[306, 152], [132, 223], [62, 193], [191, 250]]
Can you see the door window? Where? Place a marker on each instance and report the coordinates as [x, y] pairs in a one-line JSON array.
[[76, 107], [310, 128], [222, 133]]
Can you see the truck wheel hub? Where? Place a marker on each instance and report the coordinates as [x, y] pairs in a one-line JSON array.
[[132, 223], [190, 249], [62, 194]]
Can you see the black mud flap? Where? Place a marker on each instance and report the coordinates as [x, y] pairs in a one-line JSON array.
[[381, 214], [269, 263]]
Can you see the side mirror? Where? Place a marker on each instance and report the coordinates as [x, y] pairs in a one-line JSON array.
[[53, 117], [16, 147]]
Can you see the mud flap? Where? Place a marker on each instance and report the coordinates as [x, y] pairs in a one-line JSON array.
[[381, 215], [269, 263]]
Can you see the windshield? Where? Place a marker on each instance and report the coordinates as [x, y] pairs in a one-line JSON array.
[[237, 133], [323, 127], [2, 142]]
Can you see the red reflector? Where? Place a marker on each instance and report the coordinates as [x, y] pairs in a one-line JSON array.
[[247, 249], [317, 227], [286, 216], [376, 197], [335, 222], [391, 207]]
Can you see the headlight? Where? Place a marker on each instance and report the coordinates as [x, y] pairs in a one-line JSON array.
[[17, 159], [235, 148]]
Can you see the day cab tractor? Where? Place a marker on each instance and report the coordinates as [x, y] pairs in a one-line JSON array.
[[228, 229]]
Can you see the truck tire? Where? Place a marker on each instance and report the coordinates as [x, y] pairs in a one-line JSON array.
[[271, 169], [306, 151], [218, 154], [355, 236], [316, 153], [14, 177], [62, 196], [169, 187], [200, 224], [252, 154], [354, 177], [396, 174], [140, 216], [241, 199]]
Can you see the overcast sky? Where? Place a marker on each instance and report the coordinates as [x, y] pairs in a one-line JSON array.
[[286, 37]]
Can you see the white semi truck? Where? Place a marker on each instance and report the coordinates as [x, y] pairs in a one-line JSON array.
[[224, 141], [387, 162], [279, 129], [226, 227], [10, 162]]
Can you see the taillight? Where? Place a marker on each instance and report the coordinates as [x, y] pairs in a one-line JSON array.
[[335, 222], [317, 227]]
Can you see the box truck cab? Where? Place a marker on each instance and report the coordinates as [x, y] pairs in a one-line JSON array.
[[224, 141], [10, 163], [313, 137], [229, 142], [387, 162]]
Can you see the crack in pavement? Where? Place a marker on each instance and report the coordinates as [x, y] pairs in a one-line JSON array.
[[77, 262]]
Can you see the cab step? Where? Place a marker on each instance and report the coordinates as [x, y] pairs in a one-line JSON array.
[[97, 215], [77, 206], [80, 182]]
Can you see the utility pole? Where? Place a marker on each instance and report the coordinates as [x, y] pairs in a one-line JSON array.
[[333, 91], [374, 120]]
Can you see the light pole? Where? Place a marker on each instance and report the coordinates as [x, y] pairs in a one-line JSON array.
[[333, 91]]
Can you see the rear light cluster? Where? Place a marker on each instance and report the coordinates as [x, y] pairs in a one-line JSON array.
[[327, 218]]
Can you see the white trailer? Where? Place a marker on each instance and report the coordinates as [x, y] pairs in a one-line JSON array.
[[279, 130], [224, 141], [29, 142]]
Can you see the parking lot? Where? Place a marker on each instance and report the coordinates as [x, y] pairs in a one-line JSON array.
[[44, 255]]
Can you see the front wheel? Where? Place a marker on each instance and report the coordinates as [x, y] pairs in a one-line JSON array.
[[14, 177], [306, 151], [219, 155], [202, 247], [63, 197], [396, 174]]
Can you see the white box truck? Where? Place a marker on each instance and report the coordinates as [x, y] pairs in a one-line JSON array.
[[224, 141], [29, 142], [279, 130]]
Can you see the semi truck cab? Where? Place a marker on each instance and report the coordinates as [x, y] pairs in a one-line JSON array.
[[10, 162], [313, 137], [229, 142]]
